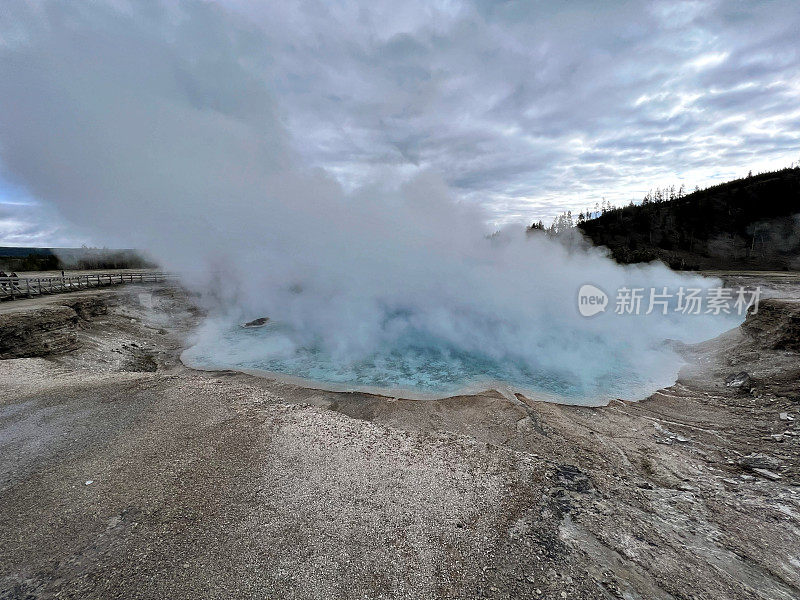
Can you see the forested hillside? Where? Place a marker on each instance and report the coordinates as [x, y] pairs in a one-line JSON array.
[[55, 259], [749, 223]]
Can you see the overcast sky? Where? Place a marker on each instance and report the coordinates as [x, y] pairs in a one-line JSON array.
[[528, 108]]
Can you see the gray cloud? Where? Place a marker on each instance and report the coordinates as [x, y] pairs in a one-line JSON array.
[[35, 224], [514, 99], [542, 107]]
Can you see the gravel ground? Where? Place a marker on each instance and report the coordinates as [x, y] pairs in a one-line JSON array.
[[124, 474]]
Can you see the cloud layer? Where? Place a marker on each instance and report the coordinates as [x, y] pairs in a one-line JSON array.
[[525, 108], [533, 107]]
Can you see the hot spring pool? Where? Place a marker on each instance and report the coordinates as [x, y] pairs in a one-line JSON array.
[[415, 368]]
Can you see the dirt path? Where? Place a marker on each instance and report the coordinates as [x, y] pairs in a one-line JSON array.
[[125, 475]]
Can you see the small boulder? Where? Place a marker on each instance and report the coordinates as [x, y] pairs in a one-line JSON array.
[[739, 380], [759, 461], [260, 322]]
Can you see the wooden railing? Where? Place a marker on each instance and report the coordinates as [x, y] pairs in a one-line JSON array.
[[14, 288]]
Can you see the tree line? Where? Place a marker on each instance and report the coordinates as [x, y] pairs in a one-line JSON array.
[[567, 220], [753, 221]]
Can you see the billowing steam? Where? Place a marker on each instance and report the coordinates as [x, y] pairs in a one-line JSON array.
[[156, 128]]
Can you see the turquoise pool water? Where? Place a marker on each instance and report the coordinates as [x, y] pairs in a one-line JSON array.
[[413, 366]]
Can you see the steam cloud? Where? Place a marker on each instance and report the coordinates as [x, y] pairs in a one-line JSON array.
[[155, 127]]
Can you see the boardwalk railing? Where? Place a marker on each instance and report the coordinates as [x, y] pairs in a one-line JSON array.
[[14, 288]]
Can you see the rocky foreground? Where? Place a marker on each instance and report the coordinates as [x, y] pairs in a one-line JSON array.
[[124, 474]]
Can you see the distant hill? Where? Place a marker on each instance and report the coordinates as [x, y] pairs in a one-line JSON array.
[[749, 223], [21, 251], [16, 258]]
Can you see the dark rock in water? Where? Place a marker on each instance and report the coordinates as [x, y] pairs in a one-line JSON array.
[[260, 322], [739, 380]]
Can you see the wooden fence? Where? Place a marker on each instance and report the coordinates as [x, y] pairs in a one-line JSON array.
[[14, 288]]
